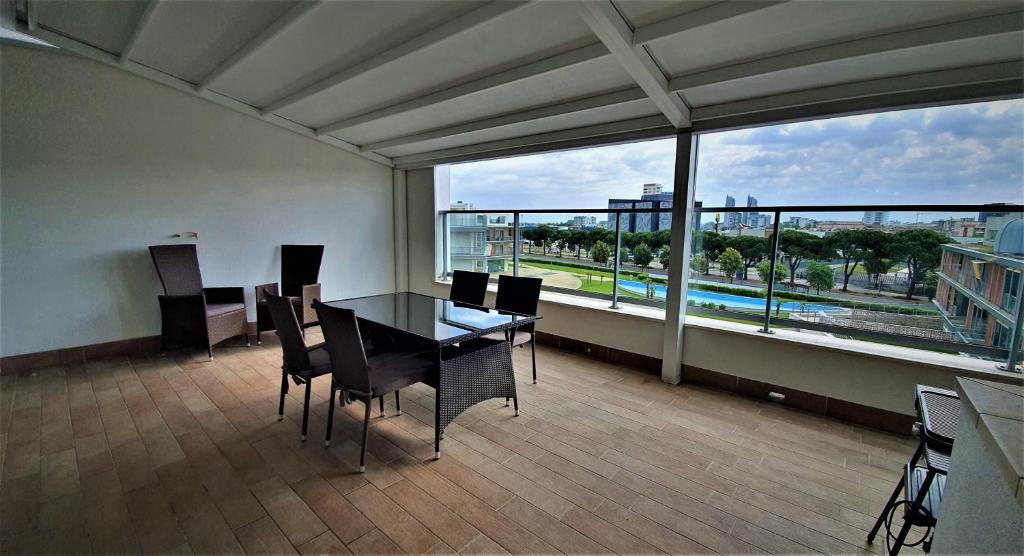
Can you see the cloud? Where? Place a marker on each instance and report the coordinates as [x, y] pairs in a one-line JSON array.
[[956, 154]]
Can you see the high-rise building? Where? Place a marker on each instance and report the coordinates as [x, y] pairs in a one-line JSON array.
[[750, 218], [644, 221], [652, 188], [732, 219], [876, 218]]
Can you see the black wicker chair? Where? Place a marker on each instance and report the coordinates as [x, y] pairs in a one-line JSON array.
[[300, 362], [300, 272], [469, 287], [190, 314], [518, 294], [363, 378]]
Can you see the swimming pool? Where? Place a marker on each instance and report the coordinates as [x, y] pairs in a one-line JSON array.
[[729, 300]]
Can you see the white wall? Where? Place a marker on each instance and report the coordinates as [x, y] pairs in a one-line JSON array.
[[860, 372], [98, 164]]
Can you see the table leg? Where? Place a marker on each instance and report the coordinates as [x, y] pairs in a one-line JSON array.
[[437, 407]]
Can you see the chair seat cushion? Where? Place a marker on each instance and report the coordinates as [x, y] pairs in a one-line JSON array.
[[319, 362], [519, 339], [395, 370], [217, 309]]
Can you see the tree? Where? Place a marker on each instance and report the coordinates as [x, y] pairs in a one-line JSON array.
[[798, 246], [577, 239], [664, 256], [528, 235], [752, 248], [764, 268], [700, 263], [820, 276], [921, 250], [642, 255], [731, 262], [710, 242], [543, 234], [854, 247], [601, 252]]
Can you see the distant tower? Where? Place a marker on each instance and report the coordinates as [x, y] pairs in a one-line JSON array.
[[732, 219], [652, 188], [876, 218]]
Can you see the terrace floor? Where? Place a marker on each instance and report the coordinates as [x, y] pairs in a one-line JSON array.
[[160, 455]]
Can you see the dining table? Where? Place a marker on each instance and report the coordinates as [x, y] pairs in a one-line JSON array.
[[473, 363]]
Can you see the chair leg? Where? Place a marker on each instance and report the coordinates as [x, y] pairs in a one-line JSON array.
[[902, 536], [366, 434], [533, 346], [885, 510], [284, 391], [515, 402], [210, 351], [305, 409], [330, 418], [398, 404], [381, 405]]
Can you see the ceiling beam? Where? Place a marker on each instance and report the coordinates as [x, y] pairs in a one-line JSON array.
[[697, 18], [650, 126], [88, 51], [862, 46], [455, 90], [448, 30], [539, 112], [615, 33], [282, 23], [140, 26], [918, 89]]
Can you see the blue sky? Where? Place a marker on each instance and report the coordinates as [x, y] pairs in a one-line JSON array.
[[956, 154]]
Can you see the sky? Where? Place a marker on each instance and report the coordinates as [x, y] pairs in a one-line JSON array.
[[956, 154]]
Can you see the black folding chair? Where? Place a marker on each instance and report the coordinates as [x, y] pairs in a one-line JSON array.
[[924, 476]]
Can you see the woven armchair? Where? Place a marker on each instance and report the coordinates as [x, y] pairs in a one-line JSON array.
[[191, 315], [300, 272]]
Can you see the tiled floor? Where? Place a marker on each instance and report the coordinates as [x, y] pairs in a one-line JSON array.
[[165, 455]]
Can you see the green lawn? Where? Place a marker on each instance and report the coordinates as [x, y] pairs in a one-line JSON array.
[[594, 284]]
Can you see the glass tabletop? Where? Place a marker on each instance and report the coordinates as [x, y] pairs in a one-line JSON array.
[[440, 320]]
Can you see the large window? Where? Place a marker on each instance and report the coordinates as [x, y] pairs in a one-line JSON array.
[[878, 227], [842, 215]]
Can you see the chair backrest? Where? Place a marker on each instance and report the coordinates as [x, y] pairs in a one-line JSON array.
[[469, 287], [300, 266], [178, 267], [518, 294], [344, 343], [296, 358]]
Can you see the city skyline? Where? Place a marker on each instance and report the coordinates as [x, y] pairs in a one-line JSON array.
[[943, 155]]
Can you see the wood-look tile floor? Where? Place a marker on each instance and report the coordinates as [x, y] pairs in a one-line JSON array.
[[184, 455]]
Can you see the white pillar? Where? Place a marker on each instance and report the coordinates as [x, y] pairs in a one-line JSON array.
[[400, 214], [679, 263]]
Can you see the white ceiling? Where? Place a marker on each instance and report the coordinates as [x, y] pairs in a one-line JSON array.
[[414, 82]]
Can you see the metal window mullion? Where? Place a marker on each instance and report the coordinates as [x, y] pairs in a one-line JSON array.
[[516, 241], [771, 274], [445, 231], [618, 259]]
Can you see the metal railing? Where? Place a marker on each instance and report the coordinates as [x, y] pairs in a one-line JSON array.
[[874, 330]]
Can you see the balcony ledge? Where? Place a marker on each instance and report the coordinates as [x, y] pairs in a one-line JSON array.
[[958, 365]]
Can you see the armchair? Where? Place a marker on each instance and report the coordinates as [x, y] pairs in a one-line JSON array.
[[300, 270], [189, 313]]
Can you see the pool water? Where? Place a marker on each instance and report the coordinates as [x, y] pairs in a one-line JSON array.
[[729, 300]]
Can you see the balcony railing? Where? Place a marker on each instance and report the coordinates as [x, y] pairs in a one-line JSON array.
[[869, 310]]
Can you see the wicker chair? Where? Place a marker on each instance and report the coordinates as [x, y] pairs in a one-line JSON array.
[[518, 294], [358, 377], [189, 313], [300, 270], [300, 362], [469, 287]]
